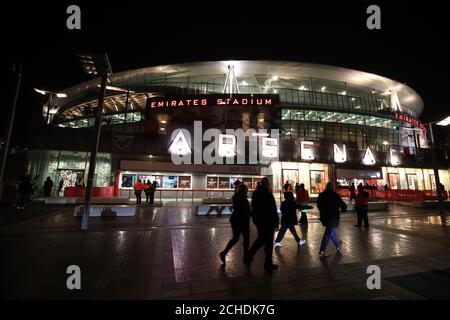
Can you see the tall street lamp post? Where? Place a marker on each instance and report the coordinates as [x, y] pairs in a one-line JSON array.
[[94, 64], [18, 69], [47, 117]]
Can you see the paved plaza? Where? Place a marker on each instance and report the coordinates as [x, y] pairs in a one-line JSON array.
[[170, 253]]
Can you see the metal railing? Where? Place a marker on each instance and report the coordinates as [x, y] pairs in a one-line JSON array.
[[196, 195]]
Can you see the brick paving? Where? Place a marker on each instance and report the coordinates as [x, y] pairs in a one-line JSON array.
[[169, 253]]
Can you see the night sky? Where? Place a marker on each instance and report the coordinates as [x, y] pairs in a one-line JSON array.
[[411, 47]]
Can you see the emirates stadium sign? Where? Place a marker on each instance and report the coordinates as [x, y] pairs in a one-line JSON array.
[[410, 120], [209, 100]]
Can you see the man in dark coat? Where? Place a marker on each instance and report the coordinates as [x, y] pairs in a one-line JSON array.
[[265, 217], [48, 185], [329, 203], [352, 190], [25, 188]]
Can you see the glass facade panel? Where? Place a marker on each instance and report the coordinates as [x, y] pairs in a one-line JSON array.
[[331, 116], [108, 119], [379, 133], [170, 182]]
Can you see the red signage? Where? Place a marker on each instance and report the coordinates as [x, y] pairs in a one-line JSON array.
[[410, 120], [262, 100]]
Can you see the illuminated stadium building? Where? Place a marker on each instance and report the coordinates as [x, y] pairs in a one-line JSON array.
[[333, 122]]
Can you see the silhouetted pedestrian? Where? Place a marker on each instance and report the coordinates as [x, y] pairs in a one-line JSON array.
[[288, 220], [352, 192], [48, 186], [152, 192], [240, 221], [361, 206], [24, 190], [329, 203], [265, 217]]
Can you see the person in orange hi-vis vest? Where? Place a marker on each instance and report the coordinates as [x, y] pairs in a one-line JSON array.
[[302, 198], [138, 187]]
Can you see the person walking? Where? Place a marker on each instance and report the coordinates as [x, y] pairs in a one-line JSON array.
[[329, 203], [48, 186], [288, 220], [138, 187], [301, 200], [24, 189], [240, 222], [265, 217], [352, 192], [286, 186], [361, 206]]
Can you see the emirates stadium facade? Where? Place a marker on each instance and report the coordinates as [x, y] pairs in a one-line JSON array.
[[333, 123]]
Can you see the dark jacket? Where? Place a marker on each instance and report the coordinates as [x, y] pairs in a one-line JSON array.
[[25, 186], [48, 185], [241, 210], [362, 199], [264, 209], [288, 213], [352, 190], [149, 188], [329, 203]]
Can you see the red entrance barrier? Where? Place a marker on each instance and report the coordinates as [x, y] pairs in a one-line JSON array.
[[399, 195], [78, 192], [432, 195], [385, 195]]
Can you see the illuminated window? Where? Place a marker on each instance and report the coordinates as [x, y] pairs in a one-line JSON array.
[[329, 116], [317, 181], [163, 123]]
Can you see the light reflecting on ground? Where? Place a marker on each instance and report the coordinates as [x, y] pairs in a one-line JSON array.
[[170, 249]]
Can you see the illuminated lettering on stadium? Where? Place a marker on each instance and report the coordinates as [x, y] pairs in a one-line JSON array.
[[215, 100], [410, 120]]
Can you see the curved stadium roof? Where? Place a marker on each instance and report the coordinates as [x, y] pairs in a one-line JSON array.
[[288, 74]]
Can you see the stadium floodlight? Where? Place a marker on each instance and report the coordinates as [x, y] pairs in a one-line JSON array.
[[95, 64], [444, 122]]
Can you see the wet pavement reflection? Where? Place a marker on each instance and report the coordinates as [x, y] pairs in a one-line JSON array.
[[169, 252]]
